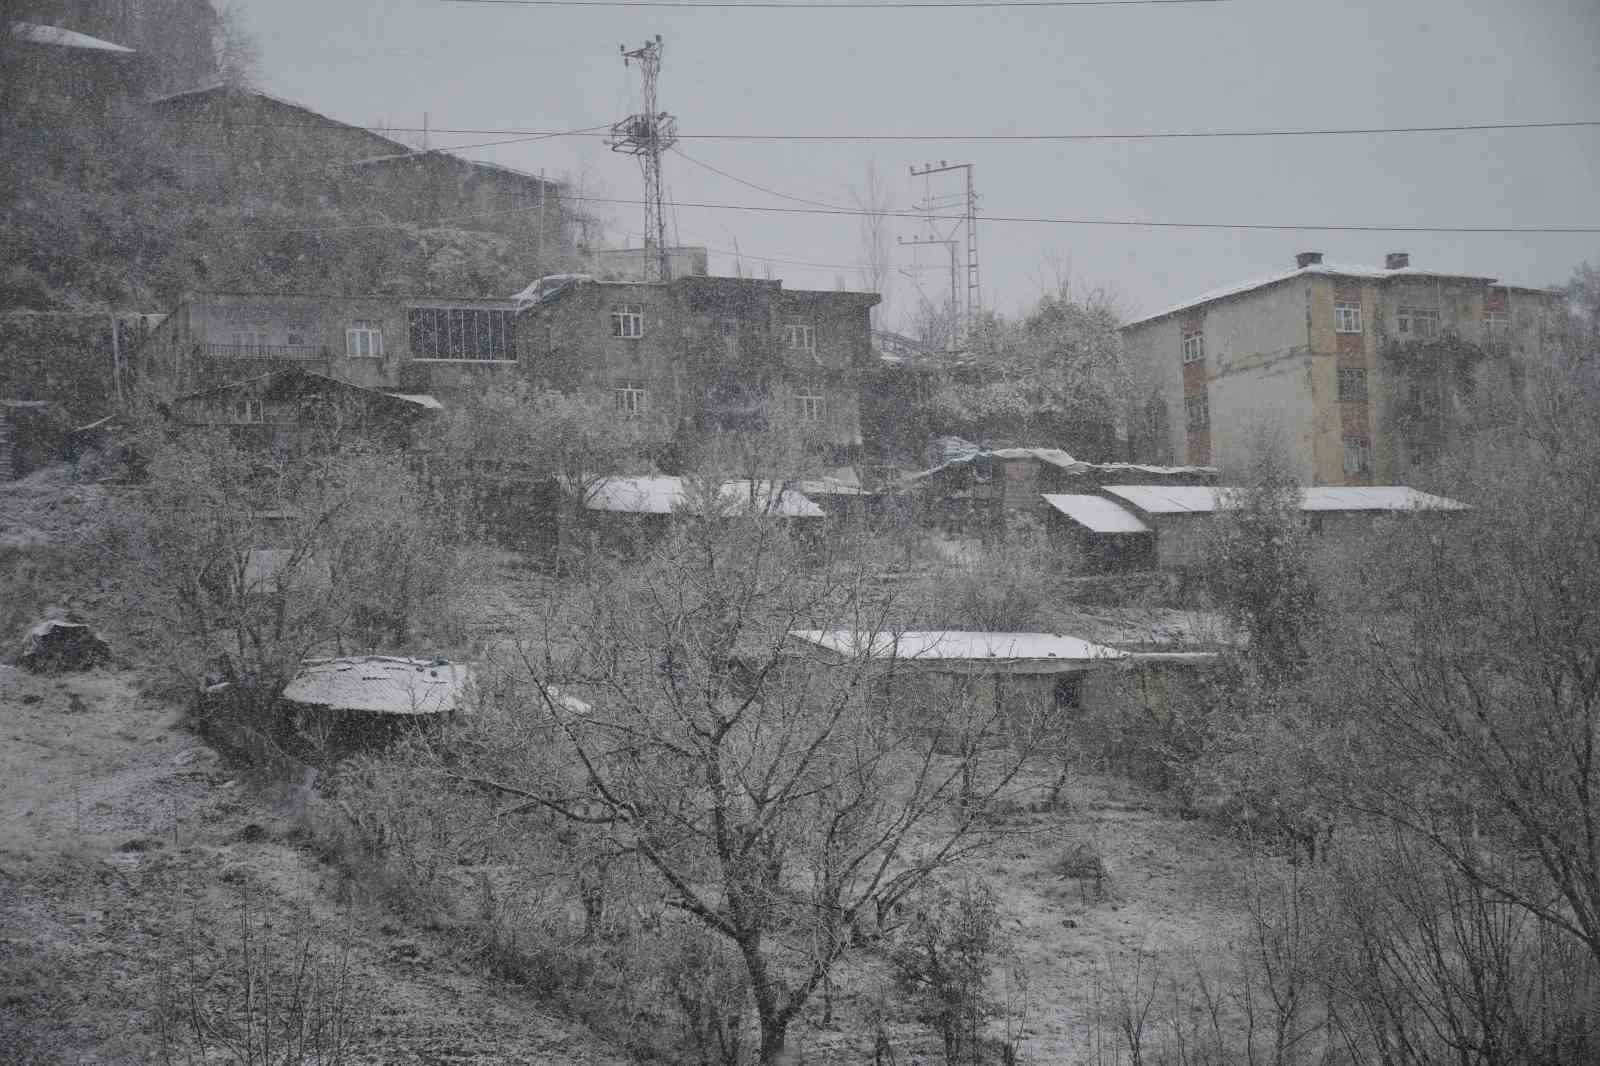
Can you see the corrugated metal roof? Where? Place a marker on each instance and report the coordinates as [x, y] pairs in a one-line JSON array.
[[1096, 513], [381, 684], [666, 495], [1203, 499], [958, 645]]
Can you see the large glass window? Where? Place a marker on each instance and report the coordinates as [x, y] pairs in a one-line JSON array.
[[470, 333]]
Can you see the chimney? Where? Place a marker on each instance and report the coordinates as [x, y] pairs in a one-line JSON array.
[[1305, 259], [1397, 260]]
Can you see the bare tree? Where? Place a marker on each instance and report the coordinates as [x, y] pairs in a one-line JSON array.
[[875, 200], [779, 800]]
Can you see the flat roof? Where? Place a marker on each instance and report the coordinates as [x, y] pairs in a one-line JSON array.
[[1204, 499], [669, 495], [1096, 513], [381, 684]]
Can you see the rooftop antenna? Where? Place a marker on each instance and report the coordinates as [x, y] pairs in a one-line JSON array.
[[646, 135]]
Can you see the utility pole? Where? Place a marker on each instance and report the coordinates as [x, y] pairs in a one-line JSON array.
[[646, 135], [970, 223], [950, 243]]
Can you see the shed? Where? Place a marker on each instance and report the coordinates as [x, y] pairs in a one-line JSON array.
[[1103, 531], [1342, 515]]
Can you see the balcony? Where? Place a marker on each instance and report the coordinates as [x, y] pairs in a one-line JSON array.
[[265, 351]]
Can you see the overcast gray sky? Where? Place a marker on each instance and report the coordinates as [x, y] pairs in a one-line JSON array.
[[1245, 64]]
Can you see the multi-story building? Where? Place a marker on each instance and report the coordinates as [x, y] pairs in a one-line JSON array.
[[690, 355], [1364, 371], [699, 354]]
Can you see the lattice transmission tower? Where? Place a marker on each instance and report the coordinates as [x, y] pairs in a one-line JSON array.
[[646, 135], [969, 223]]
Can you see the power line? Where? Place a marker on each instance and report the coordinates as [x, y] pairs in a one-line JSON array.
[[844, 5], [758, 188], [1013, 219], [1152, 135]]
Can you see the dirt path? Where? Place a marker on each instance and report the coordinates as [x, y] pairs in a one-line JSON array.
[[134, 864]]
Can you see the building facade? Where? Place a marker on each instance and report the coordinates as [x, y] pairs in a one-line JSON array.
[[707, 354], [434, 345], [1365, 372]]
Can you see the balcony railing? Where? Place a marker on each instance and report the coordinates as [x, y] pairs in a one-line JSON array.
[[265, 351]]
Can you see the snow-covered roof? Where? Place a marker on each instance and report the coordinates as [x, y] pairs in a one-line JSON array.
[[960, 646], [64, 38], [1057, 458], [547, 288], [842, 481], [421, 399], [666, 495], [1203, 499], [381, 684], [440, 153], [1096, 513], [1342, 270]]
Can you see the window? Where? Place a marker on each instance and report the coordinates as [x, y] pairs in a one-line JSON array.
[[453, 333], [728, 330], [1069, 692], [627, 320], [811, 402], [1346, 317], [630, 398], [1417, 323], [1357, 457], [1352, 385], [1197, 412], [1496, 322], [250, 338], [1194, 347], [248, 412], [800, 335], [364, 339]]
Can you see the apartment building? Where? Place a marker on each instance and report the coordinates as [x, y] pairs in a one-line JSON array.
[[1365, 371], [707, 354]]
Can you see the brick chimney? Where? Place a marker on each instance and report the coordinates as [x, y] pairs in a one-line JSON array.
[[1305, 259], [1397, 260]]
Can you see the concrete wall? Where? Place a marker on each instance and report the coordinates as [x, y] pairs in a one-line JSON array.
[[194, 348]]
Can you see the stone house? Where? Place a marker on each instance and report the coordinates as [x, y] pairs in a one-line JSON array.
[[1365, 369], [289, 410], [423, 344], [699, 355]]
